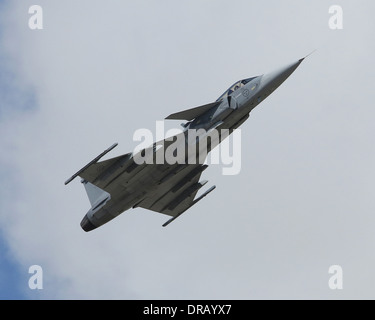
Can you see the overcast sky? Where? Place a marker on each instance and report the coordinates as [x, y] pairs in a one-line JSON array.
[[99, 70]]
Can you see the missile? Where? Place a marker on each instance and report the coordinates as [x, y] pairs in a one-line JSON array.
[[91, 163], [193, 203]]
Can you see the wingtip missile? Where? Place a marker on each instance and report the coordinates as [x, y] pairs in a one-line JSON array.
[[91, 163], [193, 203]]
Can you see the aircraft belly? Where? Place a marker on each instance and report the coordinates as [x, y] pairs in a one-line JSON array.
[[126, 193]]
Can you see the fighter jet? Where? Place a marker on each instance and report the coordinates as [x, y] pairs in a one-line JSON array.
[[118, 184]]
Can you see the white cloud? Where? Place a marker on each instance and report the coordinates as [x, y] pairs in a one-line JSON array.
[[100, 71]]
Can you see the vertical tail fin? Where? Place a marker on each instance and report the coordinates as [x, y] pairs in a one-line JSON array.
[[96, 195]]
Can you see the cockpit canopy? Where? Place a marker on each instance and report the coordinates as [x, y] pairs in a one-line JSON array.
[[234, 87]]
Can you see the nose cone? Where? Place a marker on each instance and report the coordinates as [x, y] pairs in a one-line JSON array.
[[87, 225], [277, 77]]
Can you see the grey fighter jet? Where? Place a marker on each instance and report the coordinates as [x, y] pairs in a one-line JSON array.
[[118, 184]]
